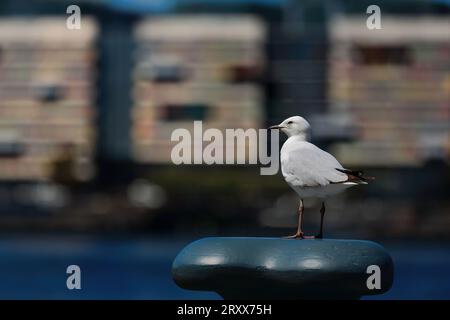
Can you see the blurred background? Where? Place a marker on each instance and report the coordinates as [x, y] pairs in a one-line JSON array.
[[86, 117]]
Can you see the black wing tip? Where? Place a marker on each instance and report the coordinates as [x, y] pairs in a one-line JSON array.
[[356, 173]]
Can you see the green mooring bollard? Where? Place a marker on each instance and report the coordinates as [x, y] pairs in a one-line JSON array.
[[274, 268]]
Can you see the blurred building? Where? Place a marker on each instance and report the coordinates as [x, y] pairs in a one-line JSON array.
[[195, 67], [47, 95], [394, 85]]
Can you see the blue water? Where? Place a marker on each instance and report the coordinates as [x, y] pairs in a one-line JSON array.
[[139, 268], [422, 271]]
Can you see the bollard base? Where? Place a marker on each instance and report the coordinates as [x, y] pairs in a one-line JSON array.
[[274, 268]]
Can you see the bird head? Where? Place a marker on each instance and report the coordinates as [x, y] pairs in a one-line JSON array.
[[294, 126]]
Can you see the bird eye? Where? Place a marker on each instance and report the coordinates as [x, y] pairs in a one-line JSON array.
[[290, 122]]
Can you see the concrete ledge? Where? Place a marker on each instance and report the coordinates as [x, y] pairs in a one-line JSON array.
[[274, 268]]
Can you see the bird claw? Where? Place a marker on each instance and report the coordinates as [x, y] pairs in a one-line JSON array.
[[295, 236], [302, 236]]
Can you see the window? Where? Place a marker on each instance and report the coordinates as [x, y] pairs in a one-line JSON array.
[[174, 112], [376, 55]]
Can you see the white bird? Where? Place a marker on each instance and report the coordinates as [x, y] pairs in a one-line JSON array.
[[310, 171]]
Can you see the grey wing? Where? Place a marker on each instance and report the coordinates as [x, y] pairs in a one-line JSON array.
[[311, 166]]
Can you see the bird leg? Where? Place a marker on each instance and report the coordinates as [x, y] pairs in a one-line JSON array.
[[299, 233], [322, 214]]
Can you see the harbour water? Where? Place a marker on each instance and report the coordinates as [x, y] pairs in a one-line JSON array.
[[34, 267]]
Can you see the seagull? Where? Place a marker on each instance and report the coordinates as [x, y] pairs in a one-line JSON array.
[[311, 171]]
